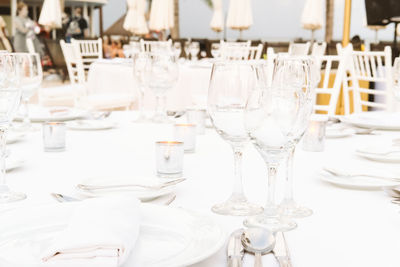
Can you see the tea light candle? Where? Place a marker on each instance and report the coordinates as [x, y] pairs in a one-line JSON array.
[[169, 159], [314, 137], [186, 133], [197, 117], [54, 136]]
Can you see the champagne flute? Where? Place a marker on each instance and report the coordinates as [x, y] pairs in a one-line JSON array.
[[163, 76], [288, 206], [10, 96], [230, 86], [31, 76], [194, 50], [273, 116], [177, 50], [141, 71], [396, 78]]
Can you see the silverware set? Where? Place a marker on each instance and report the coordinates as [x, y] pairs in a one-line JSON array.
[[257, 241], [121, 186]]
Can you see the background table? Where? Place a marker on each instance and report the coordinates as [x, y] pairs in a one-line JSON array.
[[348, 227], [110, 76]]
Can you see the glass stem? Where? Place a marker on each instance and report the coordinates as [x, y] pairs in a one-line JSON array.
[[238, 183], [289, 175], [272, 170], [160, 105], [3, 137], [25, 112], [141, 104]]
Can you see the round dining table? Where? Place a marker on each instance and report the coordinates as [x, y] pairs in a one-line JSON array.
[[348, 227]]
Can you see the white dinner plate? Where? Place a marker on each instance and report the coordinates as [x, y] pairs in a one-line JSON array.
[[377, 151], [13, 137], [91, 125], [169, 237], [374, 119], [338, 131], [360, 182], [142, 194], [42, 114]]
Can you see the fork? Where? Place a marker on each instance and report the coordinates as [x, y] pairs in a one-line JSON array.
[[352, 175], [150, 187]]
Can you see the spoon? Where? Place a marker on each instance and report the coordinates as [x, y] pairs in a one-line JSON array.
[[259, 241]]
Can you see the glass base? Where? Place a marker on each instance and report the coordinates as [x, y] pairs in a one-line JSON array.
[[274, 223], [291, 209], [237, 205], [8, 197], [141, 119]]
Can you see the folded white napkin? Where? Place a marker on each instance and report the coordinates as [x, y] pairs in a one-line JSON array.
[[101, 232]]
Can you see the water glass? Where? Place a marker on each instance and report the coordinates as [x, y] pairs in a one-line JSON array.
[[169, 159], [197, 117], [54, 135], [186, 133]]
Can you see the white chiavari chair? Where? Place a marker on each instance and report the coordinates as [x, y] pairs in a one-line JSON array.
[[90, 50], [151, 46], [242, 53], [331, 65], [370, 67], [74, 62], [299, 49], [318, 50]]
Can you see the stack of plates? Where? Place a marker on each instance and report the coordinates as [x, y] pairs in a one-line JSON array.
[[377, 119], [42, 114], [383, 152], [114, 186], [91, 125]]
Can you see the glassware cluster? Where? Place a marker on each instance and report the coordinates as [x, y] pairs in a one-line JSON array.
[[244, 109]]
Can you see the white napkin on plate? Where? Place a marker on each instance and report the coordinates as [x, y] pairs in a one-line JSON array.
[[101, 233]]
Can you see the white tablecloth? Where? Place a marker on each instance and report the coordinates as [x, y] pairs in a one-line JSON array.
[[348, 227], [107, 76]]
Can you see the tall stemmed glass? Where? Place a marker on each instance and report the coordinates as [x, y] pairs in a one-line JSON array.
[[396, 78], [10, 96], [30, 79], [141, 71], [288, 206], [163, 76], [230, 86], [272, 118]]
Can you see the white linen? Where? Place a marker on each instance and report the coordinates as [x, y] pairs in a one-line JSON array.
[[217, 20], [339, 233], [240, 15], [161, 15], [312, 17], [101, 232], [51, 14], [135, 20]]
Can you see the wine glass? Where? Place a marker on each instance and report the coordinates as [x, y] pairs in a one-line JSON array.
[[10, 96], [288, 206], [163, 76], [187, 48], [31, 76], [396, 78], [274, 115], [230, 86], [141, 71], [194, 50], [215, 50], [177, 50]]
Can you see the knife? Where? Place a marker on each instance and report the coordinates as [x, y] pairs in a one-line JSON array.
[[281, 251], [235, 250]]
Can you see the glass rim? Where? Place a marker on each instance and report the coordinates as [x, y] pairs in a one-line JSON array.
[[54, 123], [185, 125], [169, 143]]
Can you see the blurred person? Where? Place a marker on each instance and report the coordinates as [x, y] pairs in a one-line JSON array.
[[4, 34], [25, 28], [116, 49], [77, 26]]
